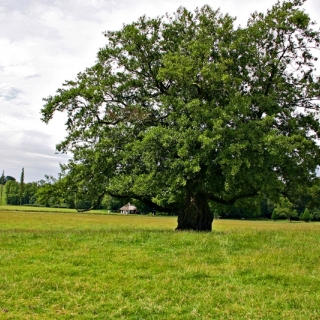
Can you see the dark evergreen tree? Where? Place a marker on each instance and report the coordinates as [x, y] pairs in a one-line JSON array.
[[21, 186], [2, 182], [2, 179], [9, 178]]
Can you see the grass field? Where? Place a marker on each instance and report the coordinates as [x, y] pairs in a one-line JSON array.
[[44, 209], [85, 266]]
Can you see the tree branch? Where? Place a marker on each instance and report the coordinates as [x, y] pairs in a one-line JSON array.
[[234, 199], [95, 204]]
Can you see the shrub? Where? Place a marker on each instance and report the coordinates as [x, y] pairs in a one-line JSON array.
[[274, 215], [306, 216]]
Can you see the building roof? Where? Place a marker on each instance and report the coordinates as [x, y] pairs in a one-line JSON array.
[[128, 207]]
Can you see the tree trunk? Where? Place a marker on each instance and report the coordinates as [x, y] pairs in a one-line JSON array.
[[195, 214]]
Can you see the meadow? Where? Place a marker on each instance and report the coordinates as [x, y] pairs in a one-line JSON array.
[[89, 266]]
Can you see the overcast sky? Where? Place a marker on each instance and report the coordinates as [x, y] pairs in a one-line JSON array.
[[45, 42]]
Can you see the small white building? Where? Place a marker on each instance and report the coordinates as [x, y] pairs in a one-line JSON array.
[[128, 208]]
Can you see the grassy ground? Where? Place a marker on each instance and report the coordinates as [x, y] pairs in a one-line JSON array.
[[44, 209], [84, 266]]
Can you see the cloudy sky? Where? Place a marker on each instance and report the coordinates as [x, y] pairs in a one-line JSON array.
[[45, 42]]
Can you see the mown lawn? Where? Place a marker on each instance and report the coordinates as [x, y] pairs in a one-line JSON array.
[[27, 208], [84, 266]]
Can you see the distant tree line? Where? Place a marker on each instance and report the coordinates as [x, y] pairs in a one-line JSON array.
[[65, 192], [17, 193]]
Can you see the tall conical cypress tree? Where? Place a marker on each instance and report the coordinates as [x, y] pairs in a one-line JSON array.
[[21, 185], [2, 180]]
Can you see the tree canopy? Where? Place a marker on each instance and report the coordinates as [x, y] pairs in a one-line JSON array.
[[185, 109]]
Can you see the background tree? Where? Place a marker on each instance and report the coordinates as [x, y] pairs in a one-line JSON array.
[[266, 207], [21, 186], [242, 209], [29, 193], [2, 179], [48, 193], [316, 214], [306, 216], [2, 183], [275, 215], [113, 204], [12, 191], [9, 178], [184, 110], [62, 192], [284, 209]]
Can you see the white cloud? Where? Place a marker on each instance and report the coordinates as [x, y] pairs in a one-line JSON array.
[[9, 93], [45, 42]]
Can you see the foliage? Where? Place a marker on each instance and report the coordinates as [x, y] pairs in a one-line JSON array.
[[2, 183], [275, 216], [50, 192], [21, 185], [113, 204], [2, 179], [266, 207], [311, 198], [284, 209], [9, 178], [306, 216], [63, 192], [12, 192], [316, 214], [14, 195], [243, 209], [186, 109]]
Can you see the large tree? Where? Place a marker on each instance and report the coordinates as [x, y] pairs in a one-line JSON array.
[[186, 109]]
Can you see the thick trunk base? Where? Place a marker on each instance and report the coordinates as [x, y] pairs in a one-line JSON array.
[[195, 215]]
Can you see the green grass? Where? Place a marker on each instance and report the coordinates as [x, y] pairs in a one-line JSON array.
[[84, 266], [43, 209]]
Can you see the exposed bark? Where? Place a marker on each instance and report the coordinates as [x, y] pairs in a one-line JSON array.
[[195, 214]]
